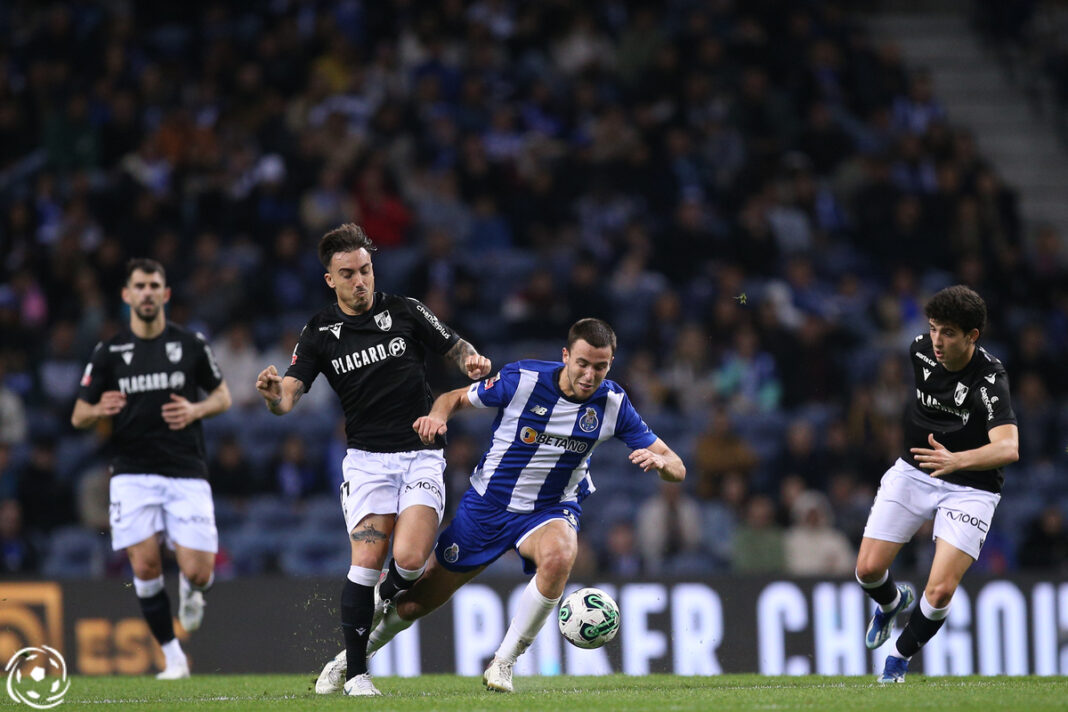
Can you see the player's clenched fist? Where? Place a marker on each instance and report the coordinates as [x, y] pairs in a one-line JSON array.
[[478, 366], [269, 383], [428, 428]]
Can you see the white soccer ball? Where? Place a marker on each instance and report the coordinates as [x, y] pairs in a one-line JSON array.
[[589, 618]]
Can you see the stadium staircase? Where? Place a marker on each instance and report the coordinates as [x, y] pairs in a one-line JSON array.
[[976, 92]]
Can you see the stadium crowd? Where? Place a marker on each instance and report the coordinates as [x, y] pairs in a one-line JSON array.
[[757, 196]]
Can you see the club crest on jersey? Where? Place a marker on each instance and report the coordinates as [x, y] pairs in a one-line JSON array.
[[452, 554], [384, 320], [334, 329], [960, 394], [174, 351], [589, 421]]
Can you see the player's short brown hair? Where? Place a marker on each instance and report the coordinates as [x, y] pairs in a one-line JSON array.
[[595, 332], [147, 266], [344, 238], [960, 306]]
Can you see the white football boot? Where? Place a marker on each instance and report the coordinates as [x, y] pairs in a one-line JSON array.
[[361, 686], [498, 676]]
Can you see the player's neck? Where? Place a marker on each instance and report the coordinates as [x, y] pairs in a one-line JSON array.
[[147, 329], [964, 361]]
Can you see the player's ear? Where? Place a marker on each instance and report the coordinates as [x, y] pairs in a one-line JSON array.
[[166, 295], [564, 355], [329, 280]]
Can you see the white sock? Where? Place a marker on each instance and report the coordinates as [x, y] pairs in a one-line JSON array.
[[148, 588], [172, 651], [534, 609], [887, 607], [390, 625], [932, 613], [409, 574]]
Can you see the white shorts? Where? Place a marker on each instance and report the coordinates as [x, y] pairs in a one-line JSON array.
[[181, 507], [390, 482], [908, 497]]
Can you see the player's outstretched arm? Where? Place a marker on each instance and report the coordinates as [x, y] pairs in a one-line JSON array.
[[280, 394], [469, 360], [1003, 449], [86, 414], [180, 412], [661, 458], [433, 423]]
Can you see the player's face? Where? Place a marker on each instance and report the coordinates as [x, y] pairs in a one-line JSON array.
[[352, 278], [146, 294], [585, 367], [952, 347]]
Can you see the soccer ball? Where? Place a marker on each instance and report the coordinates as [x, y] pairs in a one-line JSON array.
[[589, 618]]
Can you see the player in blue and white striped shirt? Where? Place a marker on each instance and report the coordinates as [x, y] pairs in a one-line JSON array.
[[527, 490]]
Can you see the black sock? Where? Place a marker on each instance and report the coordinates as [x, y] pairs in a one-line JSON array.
[[919, 630], [393, 583], [357, 609], [157, 612], [885, 593]]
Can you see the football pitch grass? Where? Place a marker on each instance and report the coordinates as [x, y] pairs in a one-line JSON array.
[[613, 693]]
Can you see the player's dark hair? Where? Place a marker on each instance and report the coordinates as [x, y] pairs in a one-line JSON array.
[[595, 332], [145, 265], [344, 238], [960, 306]]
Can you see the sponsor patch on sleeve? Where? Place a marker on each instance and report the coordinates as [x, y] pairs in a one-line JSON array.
[[87, 376], [489, 382]]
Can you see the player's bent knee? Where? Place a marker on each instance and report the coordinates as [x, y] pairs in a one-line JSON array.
[[939, 595]]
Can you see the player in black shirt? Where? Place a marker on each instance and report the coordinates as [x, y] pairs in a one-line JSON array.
[[960, 431], [148, 381], [372, 347]]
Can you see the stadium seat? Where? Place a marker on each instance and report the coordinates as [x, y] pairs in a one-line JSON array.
[[314, 554], [75, 553]]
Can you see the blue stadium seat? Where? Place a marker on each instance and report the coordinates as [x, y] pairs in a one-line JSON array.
[[314, 554], [74, 553], [322, 514]]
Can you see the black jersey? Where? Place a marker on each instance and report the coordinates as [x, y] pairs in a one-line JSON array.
[[148, 371], [376, 362], [959, 407]]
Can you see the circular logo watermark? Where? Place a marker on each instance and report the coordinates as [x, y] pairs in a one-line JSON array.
[[37, 677]]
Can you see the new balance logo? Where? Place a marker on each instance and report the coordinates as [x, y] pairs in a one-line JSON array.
[[539, 410], [990, 378], [926, 373]]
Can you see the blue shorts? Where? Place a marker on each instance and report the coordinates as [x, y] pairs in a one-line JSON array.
[[481, 531]]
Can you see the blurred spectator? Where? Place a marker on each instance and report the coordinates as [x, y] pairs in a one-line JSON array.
[[1045, 543], [747, 376], [758, 546], [295, 476], [813, 547], [237, 358], [17, 553], [668, 524], [620, 556], [13, 424], [721, 452], [47, 501], [232, 475]]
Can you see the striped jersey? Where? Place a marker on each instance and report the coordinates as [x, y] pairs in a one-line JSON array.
[[543, 440]]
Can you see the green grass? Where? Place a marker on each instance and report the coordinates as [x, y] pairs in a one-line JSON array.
[[662, 693]]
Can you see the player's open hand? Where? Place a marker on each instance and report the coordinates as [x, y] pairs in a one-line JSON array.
[[647, 459], [179, 413], [477, 366], [428, 428], [936, 458], [269, 383]]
